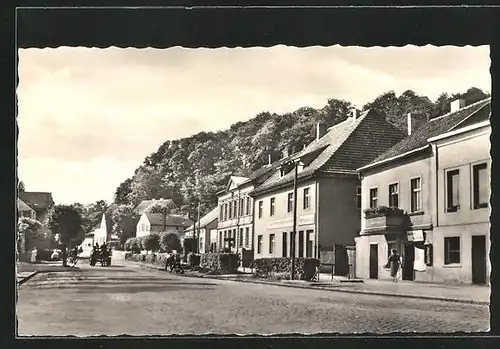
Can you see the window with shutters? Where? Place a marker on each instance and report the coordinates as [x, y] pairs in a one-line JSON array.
[[480, 185], [453, 192]]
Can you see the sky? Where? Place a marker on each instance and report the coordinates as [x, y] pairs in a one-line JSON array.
[[88, 117]]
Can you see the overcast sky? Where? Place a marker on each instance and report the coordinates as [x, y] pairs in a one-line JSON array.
[[88, 116]]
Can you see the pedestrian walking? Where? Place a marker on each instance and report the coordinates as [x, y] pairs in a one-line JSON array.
[[394, 263]]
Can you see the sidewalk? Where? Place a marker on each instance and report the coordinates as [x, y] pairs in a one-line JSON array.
[[26, 271], [404, 289]]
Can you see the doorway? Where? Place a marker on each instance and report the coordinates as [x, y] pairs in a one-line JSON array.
[[374, 261], [479, 259], [341, 260], [408, 260]]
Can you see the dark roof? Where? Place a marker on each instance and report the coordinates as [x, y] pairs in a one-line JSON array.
[[171, 220], [435, 127], [21, 206], [206, 219], [342, 148], [144, 205], [37, 200]]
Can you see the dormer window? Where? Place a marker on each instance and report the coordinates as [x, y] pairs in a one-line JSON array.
[[282, 171]]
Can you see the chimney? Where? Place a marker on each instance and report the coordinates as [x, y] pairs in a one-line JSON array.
[[355, 114], [415, 121], [320, 130], [457, 104], [269, 161]]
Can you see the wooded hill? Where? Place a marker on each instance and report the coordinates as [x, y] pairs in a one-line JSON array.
[[195, 168]]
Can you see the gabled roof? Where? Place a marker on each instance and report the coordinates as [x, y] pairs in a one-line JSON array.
[[37, 200], [144, 205], [206, 219], [341, 149], [21, 206], [434, 127], [156, 219], [237, 181]]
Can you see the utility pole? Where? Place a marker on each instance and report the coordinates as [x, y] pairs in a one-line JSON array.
[[296, 165], [197, 240]]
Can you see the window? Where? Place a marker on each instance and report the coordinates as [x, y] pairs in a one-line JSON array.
[[143, 227], [284, 244], [480, 186], [247, 236], [416, 202], [309, 243], [235, 208], [249, 207], [259, 244], [373, 197], [358, 197], [271, 243], [220, 240], [201, 243], [242, 206], [394, 195], [292, 245], [225, 211], [271, 208], [301, 244], [452, 250], [429, 255], [240, 238], [230, 210], [221, 212], [261, 206], [307, 202], [290, 202], [452, 186]]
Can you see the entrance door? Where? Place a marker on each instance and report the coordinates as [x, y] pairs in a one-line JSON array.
[[341, 262], [479, 259], [374, 261], [408, 260]]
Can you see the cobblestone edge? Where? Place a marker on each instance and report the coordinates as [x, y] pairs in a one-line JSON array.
[[331, 289]]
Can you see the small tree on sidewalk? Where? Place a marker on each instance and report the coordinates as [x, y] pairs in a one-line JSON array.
[[170, 242], [151, 242], [65, 222]]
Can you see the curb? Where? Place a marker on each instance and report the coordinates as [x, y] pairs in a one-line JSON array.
[[23, 280], [374, 293]]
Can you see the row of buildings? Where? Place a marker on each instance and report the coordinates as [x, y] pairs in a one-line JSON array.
[[365, 186]]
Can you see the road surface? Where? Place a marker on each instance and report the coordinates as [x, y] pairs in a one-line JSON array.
[[128, 299]]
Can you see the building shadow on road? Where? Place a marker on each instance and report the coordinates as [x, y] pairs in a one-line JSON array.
[[91, 288]]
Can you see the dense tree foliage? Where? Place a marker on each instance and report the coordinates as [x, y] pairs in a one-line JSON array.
[[65, 222], [192, 170], [170, 242]]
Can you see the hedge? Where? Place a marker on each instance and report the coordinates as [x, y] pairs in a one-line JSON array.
[[305, 268], [156, 259], [193, 260], [220, 262]]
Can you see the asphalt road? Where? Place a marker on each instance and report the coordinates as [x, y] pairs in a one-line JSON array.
[[125, 299]]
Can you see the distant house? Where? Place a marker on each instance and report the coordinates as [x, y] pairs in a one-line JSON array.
[[102, 232], [439, 176], [206, 229], [40, 202], [236, 209], [158, 223], [328, 191], [24, 210]]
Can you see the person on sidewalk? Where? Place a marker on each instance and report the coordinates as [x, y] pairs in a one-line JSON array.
[[394, 263]]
